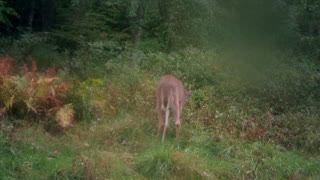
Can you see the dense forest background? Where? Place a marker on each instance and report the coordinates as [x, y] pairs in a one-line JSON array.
[[78, 79]]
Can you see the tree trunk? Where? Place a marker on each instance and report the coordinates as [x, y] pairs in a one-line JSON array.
[[165, 22], [139, 22], [48, 9], [163, 9], [31, 15]]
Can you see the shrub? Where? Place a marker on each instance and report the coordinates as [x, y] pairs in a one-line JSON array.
[[90, 97], [39, 93]]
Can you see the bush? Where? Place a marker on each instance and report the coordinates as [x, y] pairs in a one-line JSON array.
[[41, 94], [191, 65]]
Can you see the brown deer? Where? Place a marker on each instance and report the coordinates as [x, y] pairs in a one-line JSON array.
[[170, 94]]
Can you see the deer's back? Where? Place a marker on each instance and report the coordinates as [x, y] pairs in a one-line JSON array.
[[170, 84]]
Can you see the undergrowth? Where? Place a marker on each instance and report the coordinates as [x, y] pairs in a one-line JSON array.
[[260, 124], [33, 93]]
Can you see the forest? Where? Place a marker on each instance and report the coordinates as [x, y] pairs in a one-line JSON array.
[[78, 82]]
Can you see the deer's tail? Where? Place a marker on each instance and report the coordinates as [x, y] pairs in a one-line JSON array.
[[166, 108]]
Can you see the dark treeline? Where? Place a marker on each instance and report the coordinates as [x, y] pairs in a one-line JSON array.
[[171, 23]]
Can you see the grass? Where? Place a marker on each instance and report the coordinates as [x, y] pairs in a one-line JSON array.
[[233, 127], [125, 148]]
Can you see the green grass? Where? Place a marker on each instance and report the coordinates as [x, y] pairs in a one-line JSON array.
[[121, 149], [33, 154]]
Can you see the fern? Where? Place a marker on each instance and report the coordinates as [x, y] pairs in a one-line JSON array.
[[65, 115], [40, 93], [19, 81], [29, 103], [8, 104], [6, 65]]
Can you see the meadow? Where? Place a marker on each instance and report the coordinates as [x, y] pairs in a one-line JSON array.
[[233, 126]]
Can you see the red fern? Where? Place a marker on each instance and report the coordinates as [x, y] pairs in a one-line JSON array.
[[50, 103], [26, 73], [6, 66], [63, 86], [34, 70], [51, 72], [38, 92]]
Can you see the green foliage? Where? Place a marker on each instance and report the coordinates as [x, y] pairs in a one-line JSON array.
[[190, 65], [82, 21], [90, 97], [171, 25], [37, 47], [129, 89], [5, 12]]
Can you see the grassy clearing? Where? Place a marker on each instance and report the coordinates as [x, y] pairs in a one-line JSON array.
[[125, 148], [238, 124]]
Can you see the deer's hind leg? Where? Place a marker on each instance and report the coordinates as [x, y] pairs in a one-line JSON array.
[[160, 121], [166, 122], [177, 114]]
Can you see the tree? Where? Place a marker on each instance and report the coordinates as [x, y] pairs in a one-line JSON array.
[[137, 13], [5, 13]]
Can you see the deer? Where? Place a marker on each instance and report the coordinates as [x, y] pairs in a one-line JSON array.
[[170, 95]]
